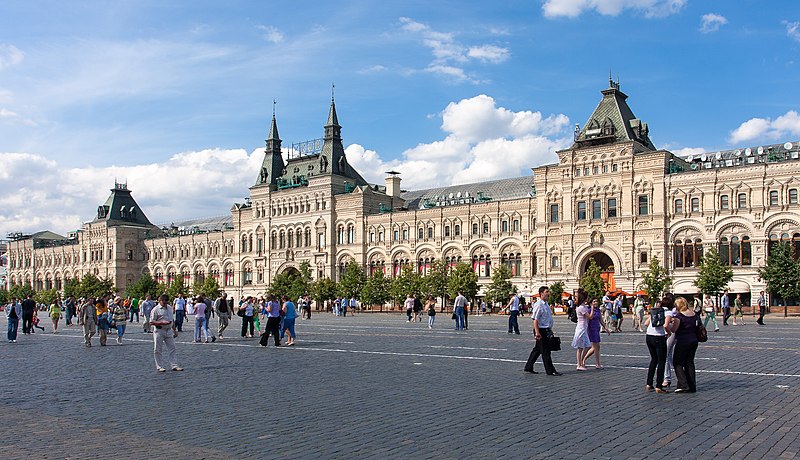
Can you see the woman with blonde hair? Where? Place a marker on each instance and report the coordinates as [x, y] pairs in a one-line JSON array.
[[580, 341], [684, 326]]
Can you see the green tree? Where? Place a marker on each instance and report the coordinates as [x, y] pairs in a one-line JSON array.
[[592, 282], [303, 281], [284, 284], [556, 290], [143, 286], [464, 280], [352, 281], [376, 290], [655, 281], [782, 272], [20, 291], [713, 276], [92, 286], [208, 288], [322, 290], [4, 296], [501, 287], [408, 282], [435, 282], [47, 296], [72, 288], [177, 287]]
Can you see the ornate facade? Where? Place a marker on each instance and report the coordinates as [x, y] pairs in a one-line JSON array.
[[612, 197]]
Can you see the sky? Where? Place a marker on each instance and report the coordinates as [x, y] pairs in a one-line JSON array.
[[175, 97]]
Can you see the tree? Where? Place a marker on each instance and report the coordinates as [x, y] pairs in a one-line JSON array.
[[376, 290], [556, 290], [46, 297], [20, 291], [435, 282], [655, 281], [782, 272], [352, 281], [303, 281], [592, 282], [713, 276], [176, 288], [208, 288], [501, 288], [92, 286], [143, 286], [5, 296], [284, 284], [72, 288], [323, 290], [464, 280], [408, 282]]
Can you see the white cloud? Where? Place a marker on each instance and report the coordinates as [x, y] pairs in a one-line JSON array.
[[711, 22], [377, 68], [793, 30], [10, 56], [686, 151], [489, 53], [272, 34], [574, 8], [765, 128], [13, 117]]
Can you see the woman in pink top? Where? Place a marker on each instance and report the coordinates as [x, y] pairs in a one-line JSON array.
[[580, 341], [200, 319]]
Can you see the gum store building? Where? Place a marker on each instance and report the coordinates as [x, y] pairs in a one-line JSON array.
[[612, 197]]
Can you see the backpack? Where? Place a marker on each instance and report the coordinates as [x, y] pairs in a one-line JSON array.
[[572, 313], [657, 317]]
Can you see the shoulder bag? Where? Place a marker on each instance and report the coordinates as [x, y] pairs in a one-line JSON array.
[[700, 330]]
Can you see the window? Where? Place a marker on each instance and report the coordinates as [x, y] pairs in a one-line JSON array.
[[597, 211], [351, 234], [504, 226], [614, 167], [405, 234], [585, 171], [687, 253], [735, 251], [420, 233], [516, 225], [643, 257], [595, 170], [474, 229], [612, 208], [695, 204], [605, 168], [485, 228], [130, 254], [742, 201], [554, 263], [446, 230], [643, 205], [723, 202], [396, 235], [773, 198], [554, 213], [430, 232], [581, 210], [457, 230], [678, 206], [577, 172], [793, 196], [371, 237]]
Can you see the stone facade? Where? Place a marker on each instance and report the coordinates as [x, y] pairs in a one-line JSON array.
[[612, 197]]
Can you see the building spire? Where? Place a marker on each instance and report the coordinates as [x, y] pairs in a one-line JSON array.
[[273, 139], [333, 120]]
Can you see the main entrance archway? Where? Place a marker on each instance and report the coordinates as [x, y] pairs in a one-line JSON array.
[[606, 265]]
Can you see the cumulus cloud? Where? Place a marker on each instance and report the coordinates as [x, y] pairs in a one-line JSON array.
[[686, 151], [10, 56], [272, 34], [574, 8], [793, 30], [785, 125], [482, 142], [711, 22], [188, 185], [450, 56]]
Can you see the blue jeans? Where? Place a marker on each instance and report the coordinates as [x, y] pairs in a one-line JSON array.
[[13, 327], [179, 317], [288, 324], [459, 318], [513, 324], [200, 327], [121, 329]]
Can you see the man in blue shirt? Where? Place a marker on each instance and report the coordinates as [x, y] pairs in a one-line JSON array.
[[726, 307], [513, 313]]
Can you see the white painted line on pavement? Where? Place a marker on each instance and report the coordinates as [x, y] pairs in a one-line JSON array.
[[467, 348]]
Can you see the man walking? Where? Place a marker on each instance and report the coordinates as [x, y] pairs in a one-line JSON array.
[[88, 318], [223, 314], [542, 331], [28, 307], [147, 307], [762, 308], [164, 335], [458, 308], [13, 314], [180, 311], [69, 306], [726, 308], [513, 313]]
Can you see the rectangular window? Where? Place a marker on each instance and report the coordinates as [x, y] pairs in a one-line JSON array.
[[581, 210], [597, 211], [380, 236], [405, 234], [595, 170], [793, 196], [396, 235], [612, 208], [504, 226], [371, 238], [457, 230], [485, 228], [446, 230], [642, 257], [554, 213], [614, 167], [644, 205], [695, 204], [474, 229], [678, 206], [420, 233], [516, 225], [577, 172], [585, 171], [742, 201], [554, 263], [773, 198], [723, 202], [605, 168], [430, 232]]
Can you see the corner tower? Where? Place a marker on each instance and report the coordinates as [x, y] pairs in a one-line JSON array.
[[272, 166]]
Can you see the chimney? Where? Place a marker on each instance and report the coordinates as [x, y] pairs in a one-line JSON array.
[[393, 183]]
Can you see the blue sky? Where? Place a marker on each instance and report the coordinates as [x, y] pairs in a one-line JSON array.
[[176, 97]]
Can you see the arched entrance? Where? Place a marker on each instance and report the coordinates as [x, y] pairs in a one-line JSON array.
[[606, 266], [292, 271]]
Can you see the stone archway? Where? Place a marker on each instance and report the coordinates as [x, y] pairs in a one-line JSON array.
[[606, 264]]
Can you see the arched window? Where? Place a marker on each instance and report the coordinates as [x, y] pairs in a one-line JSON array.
[[742, 201], [793, 196], [514, 263], [274, 241], [247, 274], [695, 204], [282, 240], [773, 198], [290, 239], [687, 253], [735, 251], [351, 234]]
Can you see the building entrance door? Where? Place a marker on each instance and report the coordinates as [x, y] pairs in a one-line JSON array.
[[606, 266]]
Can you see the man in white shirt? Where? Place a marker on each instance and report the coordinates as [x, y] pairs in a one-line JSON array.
[[543, 332], [164, 335], [458, 308], [513, 313], [179, 306]]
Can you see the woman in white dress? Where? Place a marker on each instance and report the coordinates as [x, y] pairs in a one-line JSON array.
[[580, 341]]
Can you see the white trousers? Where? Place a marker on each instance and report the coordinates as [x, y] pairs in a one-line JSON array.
[[164, 338]]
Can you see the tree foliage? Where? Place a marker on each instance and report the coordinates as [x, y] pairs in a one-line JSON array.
[[143, 286], [72, 288], [782, 272], [435, 282], [408, 282], [46, 296], [556, 290], [20, 291], [655, 281], [501, 287], [352, 281], [463, 279], [376, 290], [92, 286], [177, 287], [323, 290], [713, 276], [208, 288], [592, 282]]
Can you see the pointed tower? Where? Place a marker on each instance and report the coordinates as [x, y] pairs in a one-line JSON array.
[[273, 165], [613, 121], [332, 148]]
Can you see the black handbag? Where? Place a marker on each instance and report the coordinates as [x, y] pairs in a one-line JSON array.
[[700, 330], [555, 343]]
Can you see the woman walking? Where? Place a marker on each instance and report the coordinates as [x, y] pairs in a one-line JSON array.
[[430, 306], [103, 320], [289, 317], [656, 340], [200, 320], [595, 321], [580, 341], [273, 321], [248, 310], [684, 327], [119, 316], [55, 314], [711, 313], [737, 310]]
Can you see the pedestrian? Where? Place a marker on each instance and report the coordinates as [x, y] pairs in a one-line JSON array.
[[711, 313], [543, 333], [209, 313], [13, 314], [55, 314], [247, 311], [344, 305], [580, 341], [417, 309], [409, 304], [726, 308], [103, 320], [668, 304], [606, 308], [223, 314], [262, 314], [483, 307], [738, 312], [28, 309], [164, 334], [431, 307], [762, 308], [513, 313], [306, 306], [656, 340], [638, 312], [147, 307], [273, 309], [119, 316], [69, 307], [685, 329], [289, 316], [618, 314], [135, 305], [88, 319], [200, 325], [593, 330], [459, 307], [179, 308]]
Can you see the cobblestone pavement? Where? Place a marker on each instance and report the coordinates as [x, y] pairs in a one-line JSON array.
[[374, 386]]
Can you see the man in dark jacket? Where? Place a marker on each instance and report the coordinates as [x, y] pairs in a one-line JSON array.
[[28, 307]]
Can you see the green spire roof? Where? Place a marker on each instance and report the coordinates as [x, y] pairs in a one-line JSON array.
[[613, 121]]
